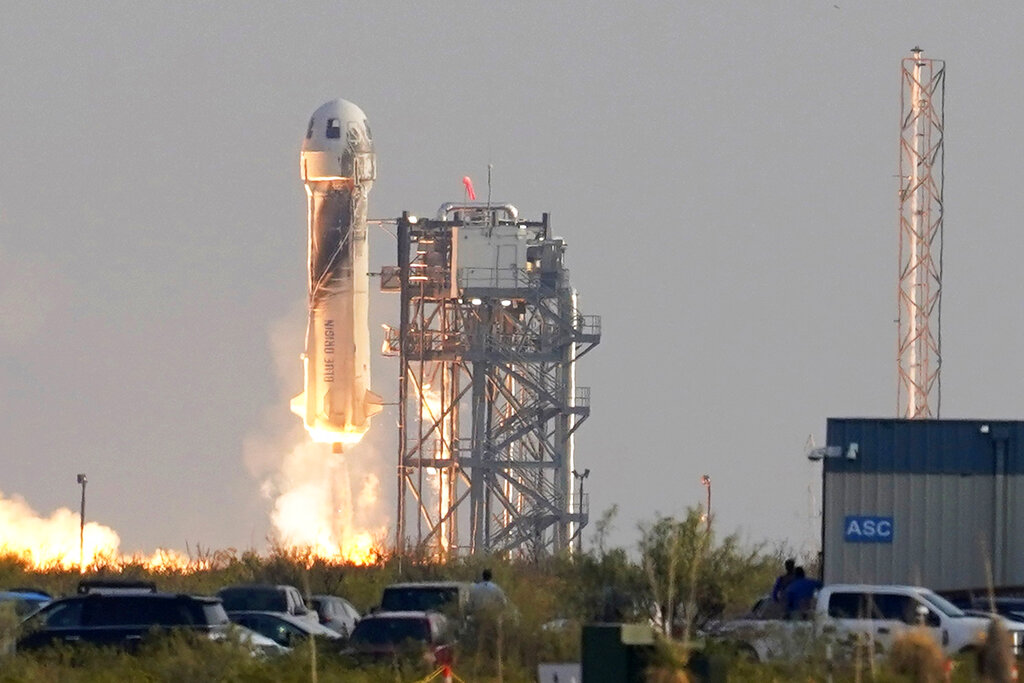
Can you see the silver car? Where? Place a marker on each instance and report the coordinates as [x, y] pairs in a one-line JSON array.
[[283, 629], [336, 613], [267, 598]]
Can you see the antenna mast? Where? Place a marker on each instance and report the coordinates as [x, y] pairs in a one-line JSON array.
[[919, 357]]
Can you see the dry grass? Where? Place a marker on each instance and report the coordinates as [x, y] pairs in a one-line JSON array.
[[916, 655], [995, 661], [8, 627], [666, 675]]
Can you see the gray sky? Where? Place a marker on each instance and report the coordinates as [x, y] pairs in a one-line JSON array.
[[724, 174]]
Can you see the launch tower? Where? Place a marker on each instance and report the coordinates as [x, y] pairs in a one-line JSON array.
[[488, 341], [919, 347]]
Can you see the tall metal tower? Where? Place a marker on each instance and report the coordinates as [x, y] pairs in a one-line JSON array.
[[919, 357], [488, 342]]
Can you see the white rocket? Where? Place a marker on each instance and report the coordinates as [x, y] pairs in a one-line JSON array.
[[338, 167]]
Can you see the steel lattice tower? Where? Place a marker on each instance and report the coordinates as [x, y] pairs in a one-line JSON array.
[[488, 342], [919, 357]]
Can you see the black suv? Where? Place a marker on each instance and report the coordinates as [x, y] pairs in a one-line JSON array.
[[121, 618], [449, 597]]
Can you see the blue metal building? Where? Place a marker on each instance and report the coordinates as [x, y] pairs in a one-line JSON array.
[[938, 503]]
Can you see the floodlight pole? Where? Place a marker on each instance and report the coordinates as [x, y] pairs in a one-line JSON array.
[[580, 476], [81, 528], [706, 481]]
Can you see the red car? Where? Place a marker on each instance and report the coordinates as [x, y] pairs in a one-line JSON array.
[[385, 635]]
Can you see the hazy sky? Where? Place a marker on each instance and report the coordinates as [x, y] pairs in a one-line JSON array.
[[724, 174]]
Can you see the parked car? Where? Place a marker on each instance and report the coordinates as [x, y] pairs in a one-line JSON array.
[[284, 629], [120, 619], [122, 586], [418, 634], [336, 613], [24, 601], [1009, 607], [450, 597], [258, 644], [267, 598], [842, 612]]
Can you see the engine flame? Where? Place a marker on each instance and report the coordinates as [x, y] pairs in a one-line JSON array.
[[315, 511], [348, 438]]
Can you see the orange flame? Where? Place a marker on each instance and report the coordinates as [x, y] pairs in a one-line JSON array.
[[53, 542], [314, 509], [431, 401], [44, 543]]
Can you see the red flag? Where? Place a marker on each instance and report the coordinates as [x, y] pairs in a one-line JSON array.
[[469, 187]]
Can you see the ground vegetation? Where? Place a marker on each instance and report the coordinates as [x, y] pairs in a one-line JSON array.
[[679, 577]]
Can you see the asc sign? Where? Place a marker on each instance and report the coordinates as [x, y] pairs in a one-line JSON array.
[[864, 529]]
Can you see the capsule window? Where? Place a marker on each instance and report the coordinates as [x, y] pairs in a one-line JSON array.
[[333, 129], [309, 129]]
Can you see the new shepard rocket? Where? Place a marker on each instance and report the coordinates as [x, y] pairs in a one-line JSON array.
[[338, 167]]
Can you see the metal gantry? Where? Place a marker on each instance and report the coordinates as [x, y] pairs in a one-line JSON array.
[[919, 357], [488, 341]]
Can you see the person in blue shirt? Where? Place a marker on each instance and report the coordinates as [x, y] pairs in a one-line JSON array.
[[799, 594], [783, 581]]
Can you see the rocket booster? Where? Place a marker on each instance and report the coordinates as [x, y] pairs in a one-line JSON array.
[[338, 167]]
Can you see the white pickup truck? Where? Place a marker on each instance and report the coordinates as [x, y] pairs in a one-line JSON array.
[[842, 613]]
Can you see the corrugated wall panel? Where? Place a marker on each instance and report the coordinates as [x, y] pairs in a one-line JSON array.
[[942, 530], [1015, 532]]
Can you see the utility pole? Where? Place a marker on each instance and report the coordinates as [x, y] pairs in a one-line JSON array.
[[81, 528], [706, 481]]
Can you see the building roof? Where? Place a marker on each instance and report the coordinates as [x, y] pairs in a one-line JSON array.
[[963, 447]]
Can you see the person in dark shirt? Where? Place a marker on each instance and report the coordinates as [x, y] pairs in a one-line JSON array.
[[783, 581], [799, 594]]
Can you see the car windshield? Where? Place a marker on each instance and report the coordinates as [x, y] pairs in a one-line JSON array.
[[417, 599], [261, 599], [61, 614], [942, 604], [1006, 607], [391, 631], [325, 608], [23, 604], [215, 614]]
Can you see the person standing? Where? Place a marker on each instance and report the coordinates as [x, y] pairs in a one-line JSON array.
[[487, 603], [799, 594], [485, 595], [783, 581]]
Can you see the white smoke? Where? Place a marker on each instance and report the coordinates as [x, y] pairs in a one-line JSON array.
[[311, 488], [53, 540]]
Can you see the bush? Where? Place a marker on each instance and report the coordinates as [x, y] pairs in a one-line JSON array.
[[8, 627], [916, 654], [995, 661]]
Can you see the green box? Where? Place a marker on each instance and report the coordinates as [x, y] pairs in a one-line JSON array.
[[616, 653]]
